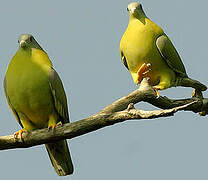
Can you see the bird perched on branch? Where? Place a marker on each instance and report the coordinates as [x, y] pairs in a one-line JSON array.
[[36, 97], [146, 51]]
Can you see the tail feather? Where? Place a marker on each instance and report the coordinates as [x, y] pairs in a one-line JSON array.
[[188, 82], [60, 157]]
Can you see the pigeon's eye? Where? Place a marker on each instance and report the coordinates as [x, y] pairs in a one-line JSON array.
[[31, 38]]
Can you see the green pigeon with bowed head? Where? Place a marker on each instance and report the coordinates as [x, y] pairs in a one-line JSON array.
[[36, 96], [146, 51]]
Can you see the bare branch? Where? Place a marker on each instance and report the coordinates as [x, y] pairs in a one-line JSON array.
[[92, 123], [119, 111]]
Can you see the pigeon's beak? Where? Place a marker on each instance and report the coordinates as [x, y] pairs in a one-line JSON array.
[[132, 10], [22, 44]]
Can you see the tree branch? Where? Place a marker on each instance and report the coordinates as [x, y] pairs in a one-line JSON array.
[[119, 111]]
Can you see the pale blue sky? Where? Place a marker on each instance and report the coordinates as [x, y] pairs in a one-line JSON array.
[[82, 39]]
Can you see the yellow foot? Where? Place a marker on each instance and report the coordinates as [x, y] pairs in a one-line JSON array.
[[52, 127], [143, 71], [19, 134]]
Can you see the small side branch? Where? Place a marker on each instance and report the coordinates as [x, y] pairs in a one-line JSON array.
[[92, 123]]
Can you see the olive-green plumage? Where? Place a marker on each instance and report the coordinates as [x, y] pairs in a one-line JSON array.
[[37, 98], [144, 43]]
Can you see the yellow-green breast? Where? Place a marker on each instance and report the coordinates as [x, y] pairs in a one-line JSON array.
[[138, 45], [27, 85]]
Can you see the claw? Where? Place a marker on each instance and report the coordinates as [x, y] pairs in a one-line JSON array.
[[146, 72], [52, 127], [19, 134], [149, 64]]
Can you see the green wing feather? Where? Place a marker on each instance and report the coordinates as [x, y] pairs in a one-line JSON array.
[[170, 55], [59, 96], [59, 151]]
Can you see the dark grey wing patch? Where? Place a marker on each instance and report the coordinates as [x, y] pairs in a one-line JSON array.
[[59, 96], [123, 58], [170, 55]]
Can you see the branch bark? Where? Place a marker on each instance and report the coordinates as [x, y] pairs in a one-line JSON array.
[[119, 111]]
